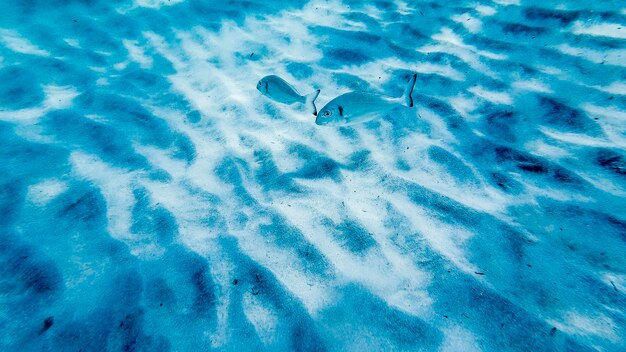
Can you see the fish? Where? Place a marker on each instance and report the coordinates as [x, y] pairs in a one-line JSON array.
[[357, 107], [280, 91]]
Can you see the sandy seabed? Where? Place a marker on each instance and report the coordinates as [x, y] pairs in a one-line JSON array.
[[151, 199]]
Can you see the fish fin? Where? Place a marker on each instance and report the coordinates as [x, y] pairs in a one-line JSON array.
[[310, 101], [408, 99]]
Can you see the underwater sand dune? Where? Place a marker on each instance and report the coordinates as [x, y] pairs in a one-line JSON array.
[[151, 198]]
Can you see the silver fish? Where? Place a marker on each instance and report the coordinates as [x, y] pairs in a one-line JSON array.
[[278, 90], [356, 107]]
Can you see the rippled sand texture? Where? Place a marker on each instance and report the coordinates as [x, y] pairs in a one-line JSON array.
[[151, 198]]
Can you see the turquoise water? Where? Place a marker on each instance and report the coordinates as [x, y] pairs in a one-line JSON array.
[[152, 199]]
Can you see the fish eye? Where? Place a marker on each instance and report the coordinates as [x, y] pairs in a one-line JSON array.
[[327, 113]]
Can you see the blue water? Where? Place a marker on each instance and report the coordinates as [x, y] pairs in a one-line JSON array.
[[151, 199]]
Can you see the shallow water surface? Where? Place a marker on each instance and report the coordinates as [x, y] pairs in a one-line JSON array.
[[151, 199]]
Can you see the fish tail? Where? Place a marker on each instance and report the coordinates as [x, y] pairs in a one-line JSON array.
[[310, 101], [408, 99]]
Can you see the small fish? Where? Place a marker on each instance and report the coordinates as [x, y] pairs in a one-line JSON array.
[[278, 90], [355, 107]]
